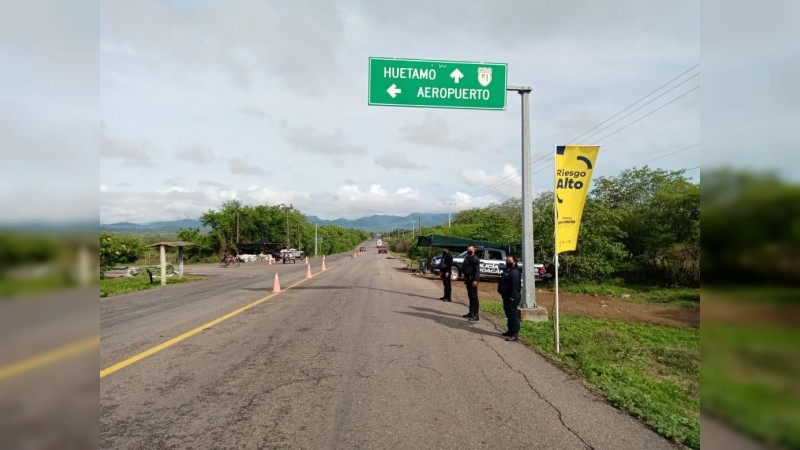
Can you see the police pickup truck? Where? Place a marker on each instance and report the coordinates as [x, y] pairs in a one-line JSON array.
[[290, 254], [493, 261]]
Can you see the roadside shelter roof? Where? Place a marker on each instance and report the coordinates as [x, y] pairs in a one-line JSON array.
[[172, 244]]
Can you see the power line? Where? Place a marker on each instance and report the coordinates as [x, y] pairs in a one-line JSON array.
[[667, 154], [651, 112], [491, 186], [495, 186], [547, 162], [639, 108], [635, 103]]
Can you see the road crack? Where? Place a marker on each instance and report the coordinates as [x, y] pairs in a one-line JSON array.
[[539, 394], [420, 365]]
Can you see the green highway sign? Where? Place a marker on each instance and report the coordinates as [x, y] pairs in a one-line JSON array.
[[437, 84]]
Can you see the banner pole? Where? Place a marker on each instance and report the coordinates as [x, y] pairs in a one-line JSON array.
[[555, 258], [558, 343]]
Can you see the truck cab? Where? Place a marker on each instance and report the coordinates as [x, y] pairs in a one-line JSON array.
[[493, 262]]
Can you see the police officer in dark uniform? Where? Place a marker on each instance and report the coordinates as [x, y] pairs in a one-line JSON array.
[[509, 287], [444, 271], [471, 269]]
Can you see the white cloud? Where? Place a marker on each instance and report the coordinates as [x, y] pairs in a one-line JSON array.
[[253, 111], [396, 159], [241, 166], [198, 154], [320, 142], [271, 195], [407, 193], [103, 188], [241, 40], [506, 183], [134, 152], [464, 200], [432, 131], [175, 182]]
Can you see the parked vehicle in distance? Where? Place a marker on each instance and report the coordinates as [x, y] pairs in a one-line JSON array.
[[291, 254], [383, 249], [493, 262]]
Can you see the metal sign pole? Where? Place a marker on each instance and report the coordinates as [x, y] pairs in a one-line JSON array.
[[529, 279]]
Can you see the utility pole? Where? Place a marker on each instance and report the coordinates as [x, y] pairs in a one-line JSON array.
[[449, 205], [529, 291], [316, 226], [288, 244], [237, 227], [412, 228]]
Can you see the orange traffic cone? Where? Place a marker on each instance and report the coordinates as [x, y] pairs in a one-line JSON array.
[[269, 262], [306, 260], [308, 271], [323, 264], [276, 285]]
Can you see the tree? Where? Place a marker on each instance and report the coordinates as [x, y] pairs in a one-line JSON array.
[[599, 252], [751, 228], [116, 249], [204, 246], [660, 219], [235, 224]]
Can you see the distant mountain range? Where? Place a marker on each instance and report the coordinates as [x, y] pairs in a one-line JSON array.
[[381, 222], [376, 222], [155, 228]]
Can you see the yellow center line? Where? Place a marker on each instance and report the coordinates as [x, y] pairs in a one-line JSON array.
[[49, 357], [151, 351]]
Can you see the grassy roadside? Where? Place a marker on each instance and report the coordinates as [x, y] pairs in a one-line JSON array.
[[684, 297], [751, 364], [651, 371], [116, 286], [750, 377], [12, 287]]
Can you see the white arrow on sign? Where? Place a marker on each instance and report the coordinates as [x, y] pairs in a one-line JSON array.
[[393, 90], [456, 75]]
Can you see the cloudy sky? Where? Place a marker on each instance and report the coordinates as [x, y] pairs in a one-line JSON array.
[[266, 102]]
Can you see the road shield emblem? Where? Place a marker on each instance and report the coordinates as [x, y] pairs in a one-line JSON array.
[[484, 76]]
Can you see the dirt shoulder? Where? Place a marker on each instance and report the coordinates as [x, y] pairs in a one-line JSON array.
[[595, 306]]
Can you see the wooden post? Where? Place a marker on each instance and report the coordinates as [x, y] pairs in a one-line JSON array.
[[163, 265]]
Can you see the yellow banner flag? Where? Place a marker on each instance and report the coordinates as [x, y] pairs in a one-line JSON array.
[[574, 166]]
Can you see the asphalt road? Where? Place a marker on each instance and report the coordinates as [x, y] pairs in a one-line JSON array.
[[361, 356], [48, 370]]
